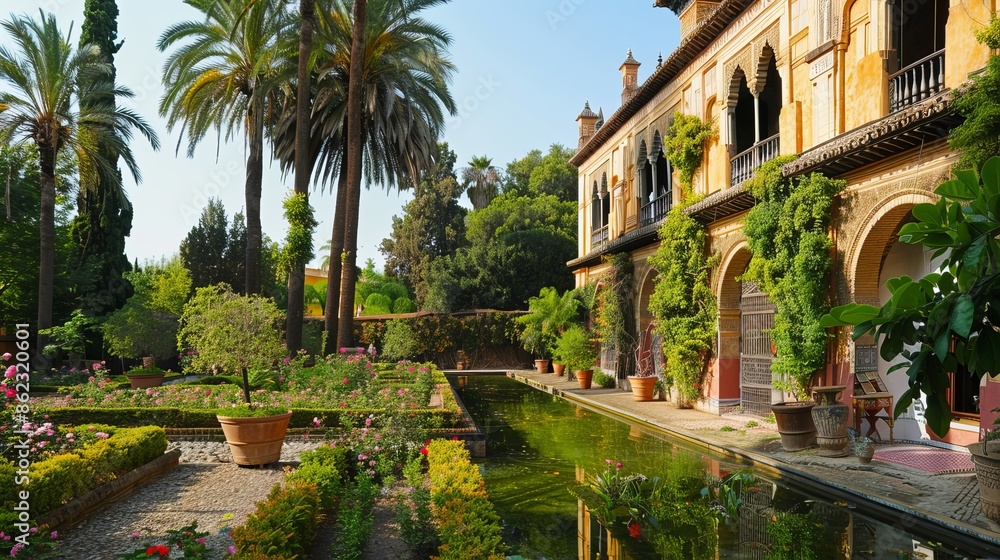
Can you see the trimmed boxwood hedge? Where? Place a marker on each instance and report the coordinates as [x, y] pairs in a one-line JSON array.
[[64, 477], [465, 519], [170, 417]]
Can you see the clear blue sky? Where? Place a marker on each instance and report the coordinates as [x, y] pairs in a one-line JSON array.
[[524, 70]]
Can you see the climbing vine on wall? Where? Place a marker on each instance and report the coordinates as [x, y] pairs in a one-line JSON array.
[[615, 318], [978, 137], [787, 234], [301, 223], [684, 146], [682, 302]]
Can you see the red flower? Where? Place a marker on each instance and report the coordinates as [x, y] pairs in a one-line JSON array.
[[423, 451], [454, 438], [634, 530], [159, 550]]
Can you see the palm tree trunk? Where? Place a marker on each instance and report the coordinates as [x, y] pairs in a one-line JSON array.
[[345, 330], [333, 279], [47, 244], [297, 274], [255, 177]]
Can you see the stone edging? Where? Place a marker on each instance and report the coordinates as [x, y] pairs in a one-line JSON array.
[[970, 535], [78, 509]]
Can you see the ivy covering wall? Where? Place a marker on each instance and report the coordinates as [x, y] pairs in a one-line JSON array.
[[682, 302], [684, 146], [787, 234], [616, 320]]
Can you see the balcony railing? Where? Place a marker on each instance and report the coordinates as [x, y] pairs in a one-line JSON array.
[[598, 238], [656, 210], [745, 163], [917, 81]]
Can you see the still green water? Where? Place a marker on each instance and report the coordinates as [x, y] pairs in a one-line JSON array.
[[539, 447]]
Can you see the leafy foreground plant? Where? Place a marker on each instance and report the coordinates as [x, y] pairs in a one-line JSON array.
[[187, 540], [413, 511], [946, 319]]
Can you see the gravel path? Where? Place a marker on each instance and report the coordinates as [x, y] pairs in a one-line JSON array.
[[205, 487]]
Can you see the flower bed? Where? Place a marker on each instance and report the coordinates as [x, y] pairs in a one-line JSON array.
[[466, 522], [68, 462]]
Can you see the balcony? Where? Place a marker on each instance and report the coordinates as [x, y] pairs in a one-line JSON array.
[[598, 238], [916, 82], [656, 210], [745, 163]]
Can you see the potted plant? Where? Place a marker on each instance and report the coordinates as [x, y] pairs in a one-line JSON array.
[[144, 377], [234, 333], [548, 315], [791, 256], [576, 349], [986, 458], [948, 318], [644, 381]]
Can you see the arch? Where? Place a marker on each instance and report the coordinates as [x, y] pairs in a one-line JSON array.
[[733, 264], [763, 61], [729, 292], [657, 150], [740, 102], [641, 153], [874, 241], [646, 288], [595, 209], [769, 94]]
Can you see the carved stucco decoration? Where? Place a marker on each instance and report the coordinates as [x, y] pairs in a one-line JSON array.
[[868, 134], [749, 60], [858, 209]]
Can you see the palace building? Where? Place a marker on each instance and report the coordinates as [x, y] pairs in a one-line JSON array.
[[861, 91]]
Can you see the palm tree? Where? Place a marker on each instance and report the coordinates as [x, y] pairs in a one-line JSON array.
[[54, 93], [404, 99], [226, 76], [482, 181]]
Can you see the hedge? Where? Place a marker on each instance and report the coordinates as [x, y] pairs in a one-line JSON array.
[[66, 476], [172, 417], [464, 517], [285, 524]]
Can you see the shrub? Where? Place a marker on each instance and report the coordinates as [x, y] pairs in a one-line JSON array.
[[400, 342], [413, 511], [575, 349], [355, 520], [324, 467], [377, 304], [285, 523], [465, 520], [604, 380], [403, 305]]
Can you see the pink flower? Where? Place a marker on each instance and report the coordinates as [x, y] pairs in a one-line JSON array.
[[346, 381], [11, 393], [11, 372], [618, 465], [6, 356], [231, 549], [97, 366], [54, 534], [102, 435]]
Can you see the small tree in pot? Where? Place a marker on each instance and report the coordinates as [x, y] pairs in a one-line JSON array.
[[234, 333], [548, 314], [576, 349]]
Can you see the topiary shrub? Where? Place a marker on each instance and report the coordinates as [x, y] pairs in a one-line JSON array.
[[377, 304], [400, 341], [404, 305]]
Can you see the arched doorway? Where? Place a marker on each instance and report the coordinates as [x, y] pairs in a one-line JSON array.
[[878, 258]]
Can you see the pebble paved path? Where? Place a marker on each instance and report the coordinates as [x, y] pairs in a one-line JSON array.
[[205, 487]]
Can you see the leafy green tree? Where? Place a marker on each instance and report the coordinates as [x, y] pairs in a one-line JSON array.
[[508, 213], [947, 319], [46, 105], [225, 75], [481, 181], [535, 174], [231, 333], [147, 324], [213, 249], [19, 236], [432, 225], [104, 216]]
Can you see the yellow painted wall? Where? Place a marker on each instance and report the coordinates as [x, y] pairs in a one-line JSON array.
[[314, 275], [963, 54]]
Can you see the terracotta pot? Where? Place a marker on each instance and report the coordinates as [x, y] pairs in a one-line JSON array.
[[988, 474], [830, 417], [795, 424], [583, 377], [145, 380], [642, 387], [542, 366], [255, 441], [558, 369]]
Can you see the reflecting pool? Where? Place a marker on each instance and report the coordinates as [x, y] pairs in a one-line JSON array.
[[566, 482]]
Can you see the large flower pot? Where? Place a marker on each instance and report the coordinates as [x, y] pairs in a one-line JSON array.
[[255, 441], [542, 366], [558, 369], [642, 387], [988, 475], [584, 377], [145, 380], [795, 424], [830, 417]]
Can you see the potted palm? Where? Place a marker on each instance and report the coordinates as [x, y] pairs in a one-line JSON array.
[[576, 349], [548, 315], [235, 333]]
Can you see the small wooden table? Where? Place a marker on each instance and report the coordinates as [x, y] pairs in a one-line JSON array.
[[868, 405]]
